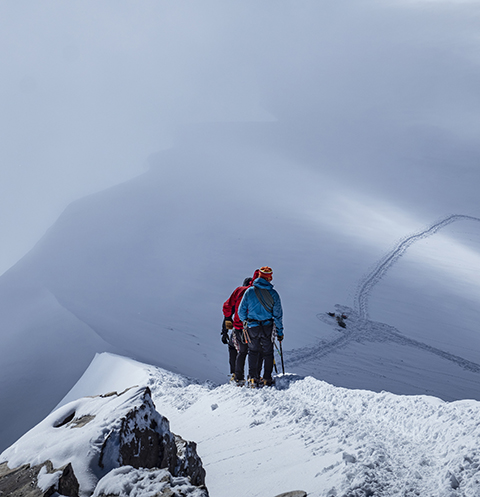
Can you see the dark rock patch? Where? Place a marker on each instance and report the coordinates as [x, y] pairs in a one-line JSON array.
[[23, 481]]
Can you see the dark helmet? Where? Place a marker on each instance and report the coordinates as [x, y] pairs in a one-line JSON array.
[[247, 281]]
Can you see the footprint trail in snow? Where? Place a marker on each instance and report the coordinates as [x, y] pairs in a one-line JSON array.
[[360, 328], [366, 285]]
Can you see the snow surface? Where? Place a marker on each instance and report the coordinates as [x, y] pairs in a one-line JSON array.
[[136, 271], [47, 480], [130, 482], [368, 146], [306, 434]]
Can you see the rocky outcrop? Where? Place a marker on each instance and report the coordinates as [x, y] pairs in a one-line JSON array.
[[144, 440], [38, 481], [188, 462], [103, 446]]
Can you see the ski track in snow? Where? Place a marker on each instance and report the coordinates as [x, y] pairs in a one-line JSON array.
[[360, 328]]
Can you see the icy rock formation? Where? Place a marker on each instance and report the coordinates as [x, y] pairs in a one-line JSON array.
[[114, 444]]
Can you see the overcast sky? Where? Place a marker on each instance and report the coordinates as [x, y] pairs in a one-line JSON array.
[[90, 90]]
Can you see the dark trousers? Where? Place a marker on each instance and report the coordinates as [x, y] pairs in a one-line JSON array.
[[260, 345], [237, 358], [232, 357]]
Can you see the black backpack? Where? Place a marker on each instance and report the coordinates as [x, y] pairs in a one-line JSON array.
[[265, 298]]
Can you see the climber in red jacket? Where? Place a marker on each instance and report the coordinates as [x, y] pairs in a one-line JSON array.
[[237, 347]]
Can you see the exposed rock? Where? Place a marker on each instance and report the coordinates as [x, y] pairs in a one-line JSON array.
[[111, 435], [21, 481], [188, 462], [139, 441], [68, 483], [24, 481], [144, 440]]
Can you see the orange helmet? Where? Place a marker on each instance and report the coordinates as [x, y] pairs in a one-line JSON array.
[[266, 272]]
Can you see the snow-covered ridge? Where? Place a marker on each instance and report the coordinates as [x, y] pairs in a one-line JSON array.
[[307, 434]]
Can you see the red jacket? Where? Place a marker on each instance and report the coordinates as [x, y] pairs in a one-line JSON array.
[[230, 307]]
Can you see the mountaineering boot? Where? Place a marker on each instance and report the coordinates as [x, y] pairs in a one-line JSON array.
[[232, 378], [255, 383], [239, 383], [269, 382]]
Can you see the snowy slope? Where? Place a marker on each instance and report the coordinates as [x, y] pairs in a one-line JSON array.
[[142, 269], [309, 435], [426, 293]]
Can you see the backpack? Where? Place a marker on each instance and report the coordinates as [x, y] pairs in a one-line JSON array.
[[265, 298]]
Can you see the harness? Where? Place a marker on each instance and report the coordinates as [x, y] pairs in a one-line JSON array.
[[266, 321]]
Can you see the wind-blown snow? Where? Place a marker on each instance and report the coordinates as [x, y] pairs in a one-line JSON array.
[[307, 434]]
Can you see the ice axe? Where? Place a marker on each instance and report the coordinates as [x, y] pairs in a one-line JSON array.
[[280, 352], [281, 357]]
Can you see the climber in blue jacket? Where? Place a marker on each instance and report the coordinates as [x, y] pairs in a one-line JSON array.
[[262, 315]]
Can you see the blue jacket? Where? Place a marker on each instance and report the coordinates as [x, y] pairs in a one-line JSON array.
[[252, 309]]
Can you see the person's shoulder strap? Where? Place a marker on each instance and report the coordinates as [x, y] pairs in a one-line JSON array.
[[265, 298]]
